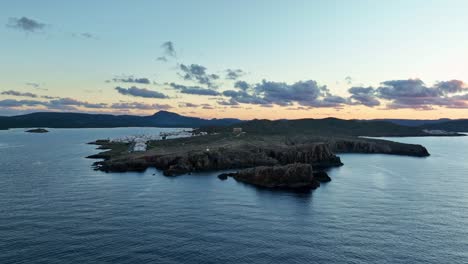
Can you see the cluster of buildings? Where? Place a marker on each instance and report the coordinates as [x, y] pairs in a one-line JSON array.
[[439, 132], [140, 142]]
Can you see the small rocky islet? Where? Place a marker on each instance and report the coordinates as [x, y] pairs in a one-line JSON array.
[[37, 130], [293, 161]]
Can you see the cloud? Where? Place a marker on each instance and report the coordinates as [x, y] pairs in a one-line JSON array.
[[194, 90], [234, 74], [19, 103], [16, 93], [62, 103], [140, 92], [70, 104], [189, 105], [169, 49], [86, 35], [34, 85], [412, 93], [207, 107], [243, 85], [363, 96], [162, 58], [140, 106], [268, 93], [25, 24], [349, 80], [58, 103], [198, 73], [132, 80], [229, 102]]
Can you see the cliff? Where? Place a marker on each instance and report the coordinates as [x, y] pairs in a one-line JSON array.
[[227, 151], [291, 176], [222, 158]]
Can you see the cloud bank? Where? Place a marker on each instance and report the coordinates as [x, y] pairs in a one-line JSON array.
[[140, 92]]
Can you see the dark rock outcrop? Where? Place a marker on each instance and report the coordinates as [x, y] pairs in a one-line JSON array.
[[321, 176], [374, 146], [291, 176], [224, 176], [226, 159], [37, 130]]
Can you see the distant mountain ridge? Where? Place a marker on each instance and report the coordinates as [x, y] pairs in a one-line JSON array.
[[452, 125], [326, 127], [414, 122], [81, 120], [170, 119]]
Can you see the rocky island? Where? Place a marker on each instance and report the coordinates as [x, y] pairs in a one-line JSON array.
[[295, 159], [37, 130]]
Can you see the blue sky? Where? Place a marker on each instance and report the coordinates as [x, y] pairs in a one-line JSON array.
[[78, 46]]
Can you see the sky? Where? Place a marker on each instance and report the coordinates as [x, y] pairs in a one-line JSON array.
[[247, 59]]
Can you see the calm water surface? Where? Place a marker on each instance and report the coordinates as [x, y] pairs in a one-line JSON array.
[[378, 209]]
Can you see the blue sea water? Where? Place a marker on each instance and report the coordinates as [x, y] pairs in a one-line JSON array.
[[377, 209]]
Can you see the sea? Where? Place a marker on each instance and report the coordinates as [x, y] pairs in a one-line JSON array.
[[54, 208]]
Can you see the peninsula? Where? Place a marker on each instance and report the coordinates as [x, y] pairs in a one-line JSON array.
[[272, 154]]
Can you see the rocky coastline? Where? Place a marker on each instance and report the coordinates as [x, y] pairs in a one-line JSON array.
[[251, 155]]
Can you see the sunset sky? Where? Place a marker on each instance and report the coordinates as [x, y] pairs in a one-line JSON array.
[[244, 59]]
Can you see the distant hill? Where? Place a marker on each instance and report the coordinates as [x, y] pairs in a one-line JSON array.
[[460, 125], [414, 122], [79, 120], [326, 127]]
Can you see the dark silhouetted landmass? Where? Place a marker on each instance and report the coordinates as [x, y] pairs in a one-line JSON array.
[[79, 120], [326, 126], [453, 126], [335, 126], [414, 122], [37, 130]]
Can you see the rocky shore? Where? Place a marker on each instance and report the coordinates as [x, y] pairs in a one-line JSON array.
[[296, 176], [37, 130], [255, 156]]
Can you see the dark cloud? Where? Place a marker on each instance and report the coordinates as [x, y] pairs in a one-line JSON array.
[[70, 104], [19, 103], [194, 90], [139, 106], [268, 93], [305, 93], [207, 106], [25, 24], [34, 85], [363, 96], [298, 108], [140, 92], [132, 80], [16, 93], [62, 103], [229, 102], [198, 73], [243, 85], [57, 103], [349, 80], [243, 97], [234, 74], [169, 49], [49, 97], [189, 105], [162, 58], [453, 86], [86, 35], [413, 93]]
